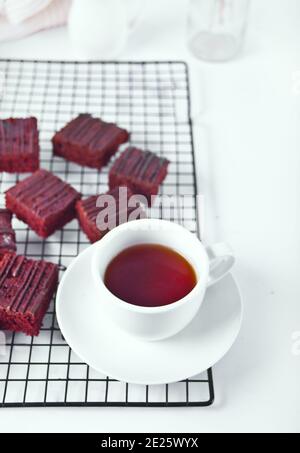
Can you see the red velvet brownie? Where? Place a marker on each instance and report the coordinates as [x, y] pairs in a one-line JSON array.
[[93, 225], [141, 171], [19, 145], [89, 141], [26, 290], [7, 234], [43, 201]]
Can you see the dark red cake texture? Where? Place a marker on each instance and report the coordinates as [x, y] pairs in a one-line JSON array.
[[89, 141], [43, 201], [19, 145], [26, 289], [87, 213], [141, 171], [7, 234]]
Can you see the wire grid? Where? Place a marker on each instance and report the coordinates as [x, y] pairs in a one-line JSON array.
[[151, 100]]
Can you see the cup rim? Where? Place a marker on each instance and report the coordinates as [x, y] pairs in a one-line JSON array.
[[137, 308]]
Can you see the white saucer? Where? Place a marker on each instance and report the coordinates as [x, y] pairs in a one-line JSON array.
[[109, 350]]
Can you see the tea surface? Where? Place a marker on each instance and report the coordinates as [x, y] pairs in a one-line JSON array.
[[150, 275]]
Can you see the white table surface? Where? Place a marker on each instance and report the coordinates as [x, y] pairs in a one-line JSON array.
[[248, 168]]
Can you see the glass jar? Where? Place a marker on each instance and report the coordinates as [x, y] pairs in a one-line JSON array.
[[216, 28]]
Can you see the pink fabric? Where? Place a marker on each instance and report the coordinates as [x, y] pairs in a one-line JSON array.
[[19, 18]]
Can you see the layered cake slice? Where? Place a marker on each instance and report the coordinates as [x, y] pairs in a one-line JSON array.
[[43, 201], [7, 234], [19, 145], [26, 290], [97, 216], [89, 141], [141, 171]]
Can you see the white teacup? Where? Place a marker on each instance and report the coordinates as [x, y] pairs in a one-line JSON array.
[[100, 28], [157, 323]]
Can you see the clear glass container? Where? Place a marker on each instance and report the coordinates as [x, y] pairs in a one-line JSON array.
[[216, 28]]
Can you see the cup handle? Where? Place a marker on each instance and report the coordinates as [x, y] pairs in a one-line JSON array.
[[221, 261]]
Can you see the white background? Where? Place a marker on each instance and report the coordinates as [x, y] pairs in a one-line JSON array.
[[249, 166]]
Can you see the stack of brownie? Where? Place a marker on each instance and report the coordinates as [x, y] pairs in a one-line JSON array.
[[26, 289], [19, 145], [46, 204], [98, 214], [89, 141]]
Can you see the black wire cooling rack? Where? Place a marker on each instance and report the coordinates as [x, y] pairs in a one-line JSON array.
[[152, 100]]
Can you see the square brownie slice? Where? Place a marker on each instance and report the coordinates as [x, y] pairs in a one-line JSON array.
[[7, 234], [19, 145], [26, 290], [95, 226], [89, 141], [43, 201], [141, 171]]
